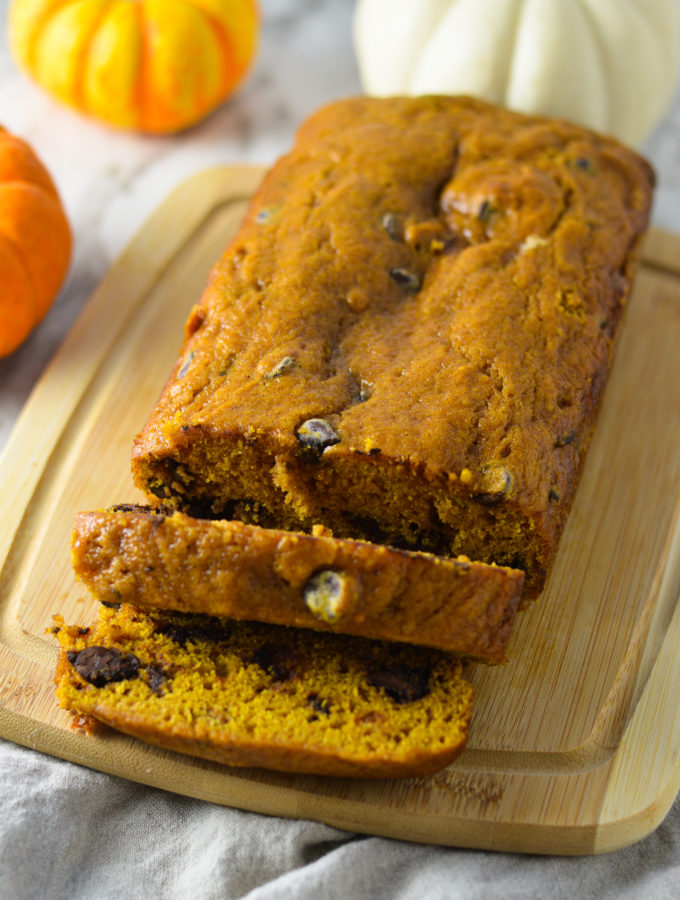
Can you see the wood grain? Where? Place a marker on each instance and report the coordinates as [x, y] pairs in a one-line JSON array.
[[575, 745]]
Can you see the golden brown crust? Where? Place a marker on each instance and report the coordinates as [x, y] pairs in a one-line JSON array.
[[164, 559], [440, 282], [255, 695]]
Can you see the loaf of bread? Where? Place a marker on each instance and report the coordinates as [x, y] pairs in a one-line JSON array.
[[160, 558], [406, 344], [408, 339], [263, 695]]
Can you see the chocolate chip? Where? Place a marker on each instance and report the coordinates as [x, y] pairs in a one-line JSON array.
[[155, 678], [206, 628], [157, 488], [319, 704], [584, 164], [495, 485], [177, 633], [285, 365], [328, 594], [365, 391], [392, 225], [277, 660], [266, 214], [186, 365], [402, 683], [102, 665], [201, 508], [171, 478], [565, 439], [486, 211], [407, 279], [317, 434]]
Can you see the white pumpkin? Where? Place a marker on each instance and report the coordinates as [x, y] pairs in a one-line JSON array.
[[609, 64]]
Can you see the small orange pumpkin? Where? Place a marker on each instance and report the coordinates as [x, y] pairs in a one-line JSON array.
[[154, 66], [35, 241]]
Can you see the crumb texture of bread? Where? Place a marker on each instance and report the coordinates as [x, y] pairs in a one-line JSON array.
[[248, 694], [160, 558], [408, 339]]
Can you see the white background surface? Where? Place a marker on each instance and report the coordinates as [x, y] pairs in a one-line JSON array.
[[68, 832]]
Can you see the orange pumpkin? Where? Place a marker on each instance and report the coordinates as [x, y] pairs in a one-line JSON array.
[[155, 66], [35, 241]]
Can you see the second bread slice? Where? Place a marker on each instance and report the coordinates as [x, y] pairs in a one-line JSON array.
[[163, 559]]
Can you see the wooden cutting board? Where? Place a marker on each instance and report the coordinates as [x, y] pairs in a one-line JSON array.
[[575, 745]]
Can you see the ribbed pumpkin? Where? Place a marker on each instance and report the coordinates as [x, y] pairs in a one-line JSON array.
[[35, 241], [154, 66], [609, 64]]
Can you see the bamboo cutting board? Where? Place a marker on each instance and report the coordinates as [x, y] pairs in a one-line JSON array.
[[575, 745]]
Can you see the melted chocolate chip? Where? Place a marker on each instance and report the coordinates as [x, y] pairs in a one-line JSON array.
[[401, 683], [495, 485], [392, 225], [158, 489], [326, 594], [317, 434], [102, 665], [155, 678], [279, 662], [169, 471], [208, 629]]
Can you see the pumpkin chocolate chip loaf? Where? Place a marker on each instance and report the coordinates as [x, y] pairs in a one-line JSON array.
[[406, 343], [160, 558], [408, 339], [262, 695]]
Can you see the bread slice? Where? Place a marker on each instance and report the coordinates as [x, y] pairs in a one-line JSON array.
[[157, 557], [408, 339], [262, 695]]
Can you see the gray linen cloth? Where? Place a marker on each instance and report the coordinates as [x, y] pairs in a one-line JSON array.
[[68, 832]]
